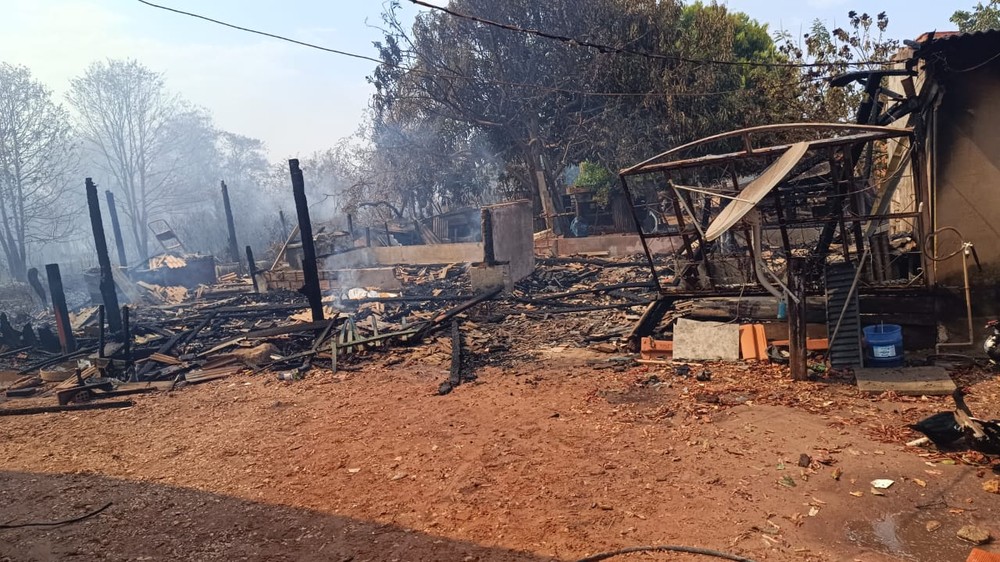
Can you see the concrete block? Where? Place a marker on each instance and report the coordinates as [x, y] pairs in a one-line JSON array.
[[616, 245], [429, 254], [513, 237], [486, 278], [383, 278], [709, 341], [351, 259]]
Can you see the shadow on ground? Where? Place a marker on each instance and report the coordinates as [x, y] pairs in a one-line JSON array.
[[151, 521]]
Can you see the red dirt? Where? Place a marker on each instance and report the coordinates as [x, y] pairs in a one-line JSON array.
[[551, 460]]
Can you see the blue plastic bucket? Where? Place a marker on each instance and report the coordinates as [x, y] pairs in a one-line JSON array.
[[884, 345]]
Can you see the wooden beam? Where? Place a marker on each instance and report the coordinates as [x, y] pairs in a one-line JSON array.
[[797, 318]]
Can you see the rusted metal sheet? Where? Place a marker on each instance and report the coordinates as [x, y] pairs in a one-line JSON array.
[[713, 159], [816, 181], [656, 349], [753, 342], [873, 132]]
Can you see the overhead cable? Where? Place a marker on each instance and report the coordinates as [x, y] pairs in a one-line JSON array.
[[646, 54], [456, 76]]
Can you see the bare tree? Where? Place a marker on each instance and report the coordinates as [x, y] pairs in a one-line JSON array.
[[37, 154], [130, 119], [244, 167], [244, 159]]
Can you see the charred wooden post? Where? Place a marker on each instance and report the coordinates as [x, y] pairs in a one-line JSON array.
[[28, 337], [368, 236], [48, 340], [309, 270], [36, 285], [107, 284], [116, 228], [8, 335], [178, 339], [234, 250], [67, 408], [797, 318], [350, 226], [455, 374], [489, 253], [284, 224], [63, 328], [252, 269], [100, 332], [127, 339]]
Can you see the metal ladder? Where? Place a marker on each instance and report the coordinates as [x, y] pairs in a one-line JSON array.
[[165, 236]]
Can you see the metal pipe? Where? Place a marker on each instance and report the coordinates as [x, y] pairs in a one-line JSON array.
[[968, 307], [642, 235], [745, 133], [690, 212], [759, 268], [712, 193], [932, 190]]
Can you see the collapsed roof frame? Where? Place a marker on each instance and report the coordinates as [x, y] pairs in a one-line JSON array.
[[842, 146]]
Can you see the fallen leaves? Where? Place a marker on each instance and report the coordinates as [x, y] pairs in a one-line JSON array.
[[974, 534], [992, 486]]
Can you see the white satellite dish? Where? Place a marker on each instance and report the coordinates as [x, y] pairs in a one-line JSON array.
[[757, 190]]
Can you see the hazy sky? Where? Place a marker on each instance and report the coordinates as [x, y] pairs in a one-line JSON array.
[[296, 99]]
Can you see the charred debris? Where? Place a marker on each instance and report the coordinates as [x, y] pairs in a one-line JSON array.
[[172, 321], [791, 240]]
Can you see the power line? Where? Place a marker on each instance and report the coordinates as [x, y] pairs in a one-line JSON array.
[[264, 33], [551, 89], [973, 67], [623, 51]]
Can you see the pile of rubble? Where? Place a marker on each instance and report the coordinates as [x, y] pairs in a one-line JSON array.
[[178, 337]]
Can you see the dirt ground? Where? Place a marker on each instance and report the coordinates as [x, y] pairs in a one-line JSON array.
[[550, 460]]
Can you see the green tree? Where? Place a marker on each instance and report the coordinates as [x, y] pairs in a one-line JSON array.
[[864, 42], [542, 105], [982, 17], [758, 94]]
